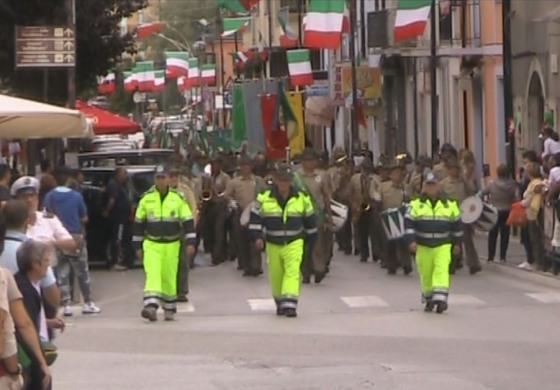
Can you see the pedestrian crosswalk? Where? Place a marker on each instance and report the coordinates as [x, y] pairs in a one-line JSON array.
[[375, 302]]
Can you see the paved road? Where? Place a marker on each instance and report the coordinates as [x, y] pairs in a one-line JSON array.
[[361, 329]]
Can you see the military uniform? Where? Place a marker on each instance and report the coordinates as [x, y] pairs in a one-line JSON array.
[[242, 191], [395, 251], [460, 189], [214, 216], [341, 174], [163, 222], [317, 186], [365, 212]]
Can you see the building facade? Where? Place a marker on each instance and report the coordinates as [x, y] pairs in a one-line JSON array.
[[535, 80]]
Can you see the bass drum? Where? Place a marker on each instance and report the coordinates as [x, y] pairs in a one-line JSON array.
[[339, 214]]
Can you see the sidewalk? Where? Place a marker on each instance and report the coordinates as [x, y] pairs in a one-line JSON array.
[[515, 255]]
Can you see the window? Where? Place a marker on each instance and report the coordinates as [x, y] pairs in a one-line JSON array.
[[293, 5], [380, 5]]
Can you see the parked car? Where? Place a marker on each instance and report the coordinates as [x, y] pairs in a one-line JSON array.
[[112, 159], [98, 229]]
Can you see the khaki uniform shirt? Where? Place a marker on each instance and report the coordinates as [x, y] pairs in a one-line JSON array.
[[440, 171], [318, 184], [185, 188], [457, 189], [220, 182], [414, 188], [244, 190], [391, 196], [357, 191]]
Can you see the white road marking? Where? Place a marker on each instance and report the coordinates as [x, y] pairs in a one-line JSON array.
[[364, 301], [545, 297], [464, 300], [267, 304]]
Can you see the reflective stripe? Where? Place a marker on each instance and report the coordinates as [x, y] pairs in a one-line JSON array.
[[255, 226], [311, 231], [268, 214], [439, 297], [163, 240], [190, 235], [457, 234], [432, 235], [409, 231], [163, 219], [137, 238], [139, 220], [283, 233]]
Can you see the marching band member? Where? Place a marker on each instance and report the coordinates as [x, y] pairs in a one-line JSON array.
[[433, 232], [393, 197], [447, 152], [214, 213], [456, 187], [183, 186], [287, 216], [163, 224], [365, 200], [341, 174], [241, 192], [317, 186], [416, 178]]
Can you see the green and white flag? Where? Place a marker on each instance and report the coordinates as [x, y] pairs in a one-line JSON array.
[[234, 25], [412, 17], [299, 67], [177, 63]]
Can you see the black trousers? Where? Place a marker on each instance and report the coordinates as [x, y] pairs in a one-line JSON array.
[[527, 244], [121, 242], [504, 231], [214, 235], [344, 235]]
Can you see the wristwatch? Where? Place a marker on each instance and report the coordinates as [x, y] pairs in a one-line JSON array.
[[17, 373]]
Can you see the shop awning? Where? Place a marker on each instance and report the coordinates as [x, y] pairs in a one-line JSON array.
[[105, 122], [24, 119]]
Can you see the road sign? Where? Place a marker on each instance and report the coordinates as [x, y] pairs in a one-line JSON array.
[[45, 47]]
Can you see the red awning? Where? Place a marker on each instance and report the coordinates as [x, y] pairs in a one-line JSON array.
[[106, 123]]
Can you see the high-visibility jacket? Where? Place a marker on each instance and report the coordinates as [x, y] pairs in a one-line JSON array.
[[163, 218], [433, 223], [283, 221]]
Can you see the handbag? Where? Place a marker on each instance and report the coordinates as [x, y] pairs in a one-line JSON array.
[[517, 215]]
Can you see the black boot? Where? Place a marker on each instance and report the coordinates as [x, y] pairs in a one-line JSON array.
[[441, 307], [429, 307], [290, 313]]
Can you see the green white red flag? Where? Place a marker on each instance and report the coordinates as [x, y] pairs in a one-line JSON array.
[[323, 26], [146, 29], [107, 84], [234, 25], [177, 63], [208, 74], [129, 82], [145, 75], [193, 78], [299, 67], [159, 81], [412, 17]]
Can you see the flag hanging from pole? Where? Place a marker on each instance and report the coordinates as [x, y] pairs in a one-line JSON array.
[[208, 74], [288, 38], [146, 29], [299, 67], [234, 25], [129, 82], [107, 84], [412, 18], [193, 78], [145, 75], [177, 63], [323, 26], [296, 136], [159, 81]]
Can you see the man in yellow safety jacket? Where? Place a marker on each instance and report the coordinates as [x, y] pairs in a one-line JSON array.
[[433, 230], [163, 220], [288, 218]]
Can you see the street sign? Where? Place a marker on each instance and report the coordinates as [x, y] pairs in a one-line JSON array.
[[45, 47]]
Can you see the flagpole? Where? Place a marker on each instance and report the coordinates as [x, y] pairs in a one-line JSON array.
[[433, 80], [354, 121], [300, 22], [236, 43], [269, 6]]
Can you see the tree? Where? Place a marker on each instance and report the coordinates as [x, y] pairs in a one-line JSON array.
[[99, 43]]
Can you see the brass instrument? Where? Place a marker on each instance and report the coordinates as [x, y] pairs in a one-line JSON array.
[[206, 189], [365, 181]]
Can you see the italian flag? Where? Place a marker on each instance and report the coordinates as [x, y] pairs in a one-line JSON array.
[[411, 20], [159, 81], [181, 85], [177, 63], [107, 85], [323, 25], [146, 29], [299, 67], [240, 59], [145, 75], [129, 82], [208, 74], [237, 6], [288, 38], [234, 25], [193, 78]]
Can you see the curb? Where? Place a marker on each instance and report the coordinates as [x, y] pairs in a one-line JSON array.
[[538, 277]]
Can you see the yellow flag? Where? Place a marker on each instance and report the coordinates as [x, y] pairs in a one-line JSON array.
[[297, 141]]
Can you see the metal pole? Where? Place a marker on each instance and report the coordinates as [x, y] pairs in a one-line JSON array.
[[355, 136], [71, 74], [269, 7], [433, 79], [300, 21], [363, 46], [415, 109], [46, 85], [508, 92]]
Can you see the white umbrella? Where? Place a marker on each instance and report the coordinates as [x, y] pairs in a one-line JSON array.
[[23, 119]]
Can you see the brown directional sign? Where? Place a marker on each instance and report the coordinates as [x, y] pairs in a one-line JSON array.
[[45, 47]]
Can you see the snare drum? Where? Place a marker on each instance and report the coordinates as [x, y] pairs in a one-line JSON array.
[[393, 222], [487, 219]]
